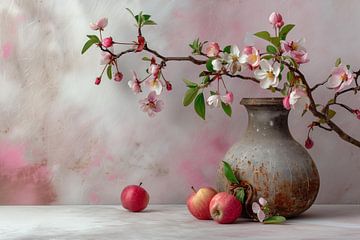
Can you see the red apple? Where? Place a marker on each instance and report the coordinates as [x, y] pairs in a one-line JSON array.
[[134, 198], [225, 208], [198, 202]]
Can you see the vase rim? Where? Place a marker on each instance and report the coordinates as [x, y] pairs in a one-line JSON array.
[[275, 101]]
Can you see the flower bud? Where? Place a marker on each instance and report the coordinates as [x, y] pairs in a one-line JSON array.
[[276, 20], [97, 80], [309, 143], [168, 86], [107, 42], [118, 76], [286, 102]]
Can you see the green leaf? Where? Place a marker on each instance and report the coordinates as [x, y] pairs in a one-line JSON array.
[[229, 174], [94, 38], [275, 220], [190, 95], [240, 195], [267, 57], [271, 49], [130, 12], [196, 46], [199, 105], [212, 93], [321, 121], [348, 66], [146, 17], [263, 35], [87, 45], [149, 22], [206, 80], [190, 84], [227, 49], [146, 59], [330, 113], [290, 76], [331, 101], [109, 72], [227, 108], [285, 30], [209, 65], [275, 41], [337, 62]]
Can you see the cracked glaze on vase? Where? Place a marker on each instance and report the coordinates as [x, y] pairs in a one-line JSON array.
[[267, 157]]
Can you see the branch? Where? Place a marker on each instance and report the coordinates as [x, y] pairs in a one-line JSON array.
[[320, 115], [320, 84]]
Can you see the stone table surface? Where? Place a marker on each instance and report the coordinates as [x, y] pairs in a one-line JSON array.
[[168, 222]]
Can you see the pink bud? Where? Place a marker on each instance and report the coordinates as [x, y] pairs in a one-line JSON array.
[[102, 23], [118, 76], [228, 98], [168, 86], [140, 44], [213, 49], [286, 102], [97, 80], [309, 143], [107, 42], [276, 20]]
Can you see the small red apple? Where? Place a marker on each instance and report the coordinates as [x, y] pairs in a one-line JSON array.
[[198, 202], [134, 198], [225, 208]]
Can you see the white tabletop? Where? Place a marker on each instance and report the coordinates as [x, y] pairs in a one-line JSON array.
[[168, 222]]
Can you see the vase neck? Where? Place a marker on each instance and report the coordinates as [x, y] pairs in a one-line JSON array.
[[268, 121]]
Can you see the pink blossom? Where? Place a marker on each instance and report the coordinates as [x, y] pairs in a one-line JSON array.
[[340, 77], [100, 24], [155, 85], [298, 99], [135, 84], [140, 44], [286, 102], [107, 42], [154, 69], [250, 55], [228, 98], [151, 104], [212, 50], [300, 57], [262, 201], [309, 143], [98, 80], [118, 76], [256, 208], [276, 19], [106, 58]]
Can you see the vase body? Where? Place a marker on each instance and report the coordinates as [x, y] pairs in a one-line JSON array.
[[268, 158]]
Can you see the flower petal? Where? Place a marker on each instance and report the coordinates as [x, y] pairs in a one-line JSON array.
[[255, 207]]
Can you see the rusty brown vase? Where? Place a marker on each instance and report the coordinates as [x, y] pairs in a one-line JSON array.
[[268, 158]]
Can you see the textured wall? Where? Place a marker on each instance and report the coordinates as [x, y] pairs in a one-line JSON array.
[[64, 140]]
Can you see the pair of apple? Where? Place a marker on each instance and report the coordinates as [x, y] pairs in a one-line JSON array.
[[207, 203]]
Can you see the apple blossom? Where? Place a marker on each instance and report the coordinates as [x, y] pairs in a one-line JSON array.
[[233, 58], [262, 201], [296, 50], [228, 98], [140, 44], [155, 84], [151, 104], [340, 77], [268, 75], [214, 101], [286, 102], [98, 80], [168, 85], [135, 84], [118, 76], [100, 24], [107, 42], [217, 64], [250, 55], [309, 143], [106, 58], [212, 50], [256, 208], [300, 57], [298, 99], [276, 19], [154, 69]]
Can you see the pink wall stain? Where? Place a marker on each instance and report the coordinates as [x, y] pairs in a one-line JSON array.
[[20, 182], [6, 50]]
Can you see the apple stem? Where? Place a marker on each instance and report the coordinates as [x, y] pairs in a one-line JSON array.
[[140, 184], [192, 187]]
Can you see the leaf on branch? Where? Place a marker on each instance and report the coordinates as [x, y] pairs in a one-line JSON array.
[[275, 41], [146, 59], [209, 65], [337, 62], [130, 12], [240, 195], [275, 220], [330, 113], [94, 38], [227, 49], [263, 35], [285, 30], [87, 45], [199, 105], [196, 46], [206, 80], [190, 96], [109, 72], [229, 174], [190, 84], [227, 108], [271, 49]]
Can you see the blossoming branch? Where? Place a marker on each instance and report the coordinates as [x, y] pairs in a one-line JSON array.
[[277, 69]]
